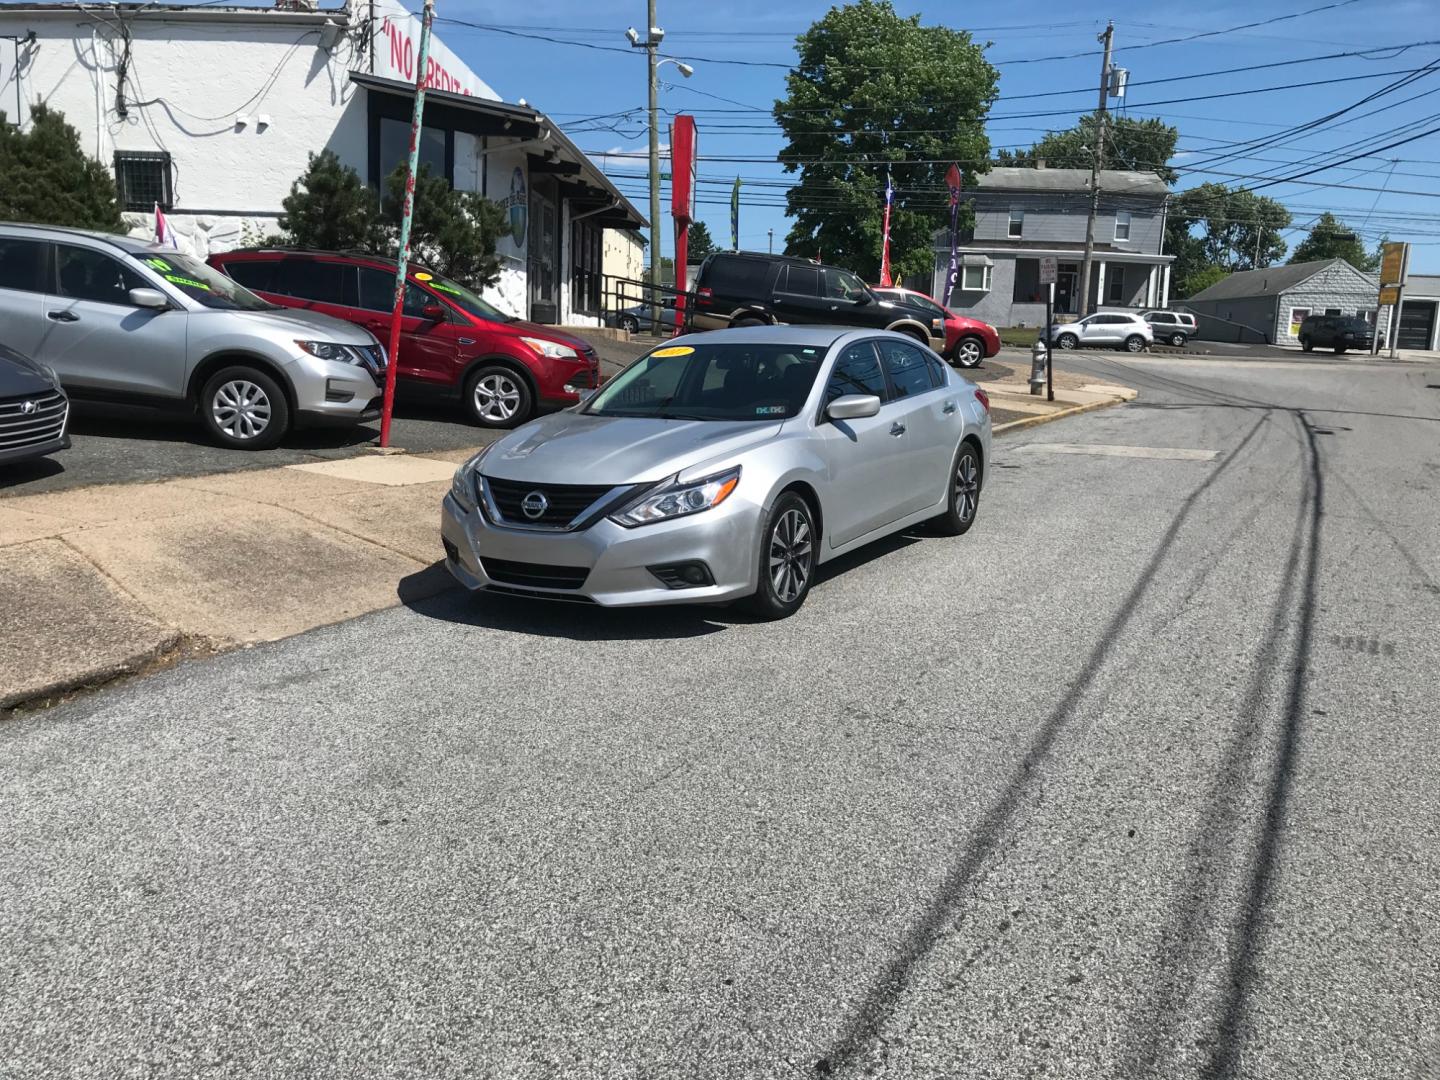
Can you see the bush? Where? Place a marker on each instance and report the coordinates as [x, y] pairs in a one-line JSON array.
[[46, 178]]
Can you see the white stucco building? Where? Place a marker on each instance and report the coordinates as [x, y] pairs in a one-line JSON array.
[[213, 112]]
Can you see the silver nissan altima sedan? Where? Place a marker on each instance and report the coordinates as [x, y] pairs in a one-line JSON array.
[[720, 467]]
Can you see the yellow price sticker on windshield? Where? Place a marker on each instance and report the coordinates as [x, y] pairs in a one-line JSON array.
[[674, 350], [424, 277]]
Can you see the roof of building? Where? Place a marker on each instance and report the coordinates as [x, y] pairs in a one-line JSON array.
[[1072, 180], [1266, 281], [298, 13]]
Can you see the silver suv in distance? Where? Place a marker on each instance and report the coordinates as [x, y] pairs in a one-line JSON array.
[[720, 467], [120, 319]]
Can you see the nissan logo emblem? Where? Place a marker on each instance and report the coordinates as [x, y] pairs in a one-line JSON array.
[[28, 407], [535, 504]]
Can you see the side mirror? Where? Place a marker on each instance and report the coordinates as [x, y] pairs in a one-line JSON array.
[[853, 407], [432, 313], [149, 298]]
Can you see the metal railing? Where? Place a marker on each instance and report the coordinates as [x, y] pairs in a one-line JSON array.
[[633, 304]]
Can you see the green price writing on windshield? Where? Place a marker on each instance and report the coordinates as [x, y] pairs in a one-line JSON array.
[[189, 282]]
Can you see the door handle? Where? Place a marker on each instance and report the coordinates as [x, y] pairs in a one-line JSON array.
[[897, 428], [62, 316], [950, 407]]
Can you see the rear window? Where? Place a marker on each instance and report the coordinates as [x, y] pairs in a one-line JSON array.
[[317, 281], [731, 274], [22, 265]]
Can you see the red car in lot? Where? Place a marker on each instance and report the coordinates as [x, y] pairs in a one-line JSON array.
[[967, 340], [452, 343]]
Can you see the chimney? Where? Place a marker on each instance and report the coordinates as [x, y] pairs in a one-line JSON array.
[[1039, 163]]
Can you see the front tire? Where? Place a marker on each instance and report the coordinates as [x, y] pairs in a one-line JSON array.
[[969, 352], [1068, 341], [630, 324], [1339, 349], [497, 397], [1134, 343], [245, 409], [1177, 340], [1306, 345], [788, 554], [964, 501]]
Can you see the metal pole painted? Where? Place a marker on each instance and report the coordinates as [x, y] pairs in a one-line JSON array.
[[403, 260]]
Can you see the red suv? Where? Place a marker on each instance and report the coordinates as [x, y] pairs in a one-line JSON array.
[[451, 342], [967, 340]]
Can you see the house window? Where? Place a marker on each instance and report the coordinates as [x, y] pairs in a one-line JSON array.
[[1115, 286], [975, 279], [585, 268], [1017, 223], [142, 179], [395, 149], [1122, 224]]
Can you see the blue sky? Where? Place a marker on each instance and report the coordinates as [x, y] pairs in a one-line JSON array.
[[1395, 191]]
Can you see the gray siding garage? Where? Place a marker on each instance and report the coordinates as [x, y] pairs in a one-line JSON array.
[[1268, 305]]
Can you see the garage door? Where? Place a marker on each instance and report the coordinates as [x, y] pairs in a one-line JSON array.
[[1417, 324]]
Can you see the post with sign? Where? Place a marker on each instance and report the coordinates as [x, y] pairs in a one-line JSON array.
[[1394, 261], [1047, 278], [682, 206]]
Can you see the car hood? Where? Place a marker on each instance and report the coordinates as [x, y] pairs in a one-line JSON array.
[[20, 376], [522, 328], [575, 448], [312, 324]]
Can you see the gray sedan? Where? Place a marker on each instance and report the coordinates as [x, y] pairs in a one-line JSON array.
[[722, 467]]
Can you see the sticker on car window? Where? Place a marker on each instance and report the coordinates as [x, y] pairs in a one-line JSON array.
[[424, 277], [157, 263], [673, 350], [190, 283], [440, 288], [771, 410]]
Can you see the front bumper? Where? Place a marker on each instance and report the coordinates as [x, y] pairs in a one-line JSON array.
[[725, 539]]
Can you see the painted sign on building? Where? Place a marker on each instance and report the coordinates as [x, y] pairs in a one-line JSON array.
[[396, 45]]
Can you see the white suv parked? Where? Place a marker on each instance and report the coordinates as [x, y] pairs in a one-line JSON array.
[[1171, 327], [1106, 329]]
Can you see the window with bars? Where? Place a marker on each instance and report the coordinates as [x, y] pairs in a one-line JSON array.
[[142, 179]]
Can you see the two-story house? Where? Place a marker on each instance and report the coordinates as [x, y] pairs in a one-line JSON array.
[[1023, 215]]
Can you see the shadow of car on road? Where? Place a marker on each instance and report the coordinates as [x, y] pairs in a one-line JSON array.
[[433, 593], [115, 421]]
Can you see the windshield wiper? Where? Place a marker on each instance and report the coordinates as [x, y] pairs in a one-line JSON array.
[[679, 416]]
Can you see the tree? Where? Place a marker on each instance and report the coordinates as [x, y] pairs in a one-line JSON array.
[[46, 178], [1199, 280], [329, 207], [701, 243], [874, 90], [1238, 230], [1331, 238], [1138, 145], [454, 232]]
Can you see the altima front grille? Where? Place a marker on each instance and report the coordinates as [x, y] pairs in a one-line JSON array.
[[33, 420], [535, 575], [558, 504]]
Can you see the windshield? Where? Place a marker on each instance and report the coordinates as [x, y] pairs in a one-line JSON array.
[[463, 298], [204, 283], [1358, 325], [705, 381]]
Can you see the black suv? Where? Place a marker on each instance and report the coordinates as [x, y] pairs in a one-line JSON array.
[[1338, 332], [737, 288]]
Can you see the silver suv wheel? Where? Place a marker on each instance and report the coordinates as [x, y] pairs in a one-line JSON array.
[[497, 397], [241, 409]]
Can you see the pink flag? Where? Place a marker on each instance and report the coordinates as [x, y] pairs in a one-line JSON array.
[[164, 234], [885, 281]]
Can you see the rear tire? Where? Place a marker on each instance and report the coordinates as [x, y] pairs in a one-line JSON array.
[[629, 324], [1177, 340], [1306, 345], [966, 476], [747, 320], [789, 548], [1340, 349], [498, 397], [1134, 343], [1068, 341], [969, 352], [245, 409]]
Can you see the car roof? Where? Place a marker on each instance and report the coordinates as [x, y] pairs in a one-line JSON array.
[[815, 336], [294, 252], [131, 244]]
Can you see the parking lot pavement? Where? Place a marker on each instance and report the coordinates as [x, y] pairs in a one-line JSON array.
[[1134, 780]]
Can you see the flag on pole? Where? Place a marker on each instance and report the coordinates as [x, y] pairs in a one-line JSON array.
[[885, 281], [952, 181], [735, 216], [164, 234]]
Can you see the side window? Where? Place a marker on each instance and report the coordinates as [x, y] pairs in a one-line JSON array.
[[84, 274], [909, 373], [799, 281], [842, 285], [939, 374], [257, 275], [377, 293], [22, 265], [856, 371], [1162, 317], [319, 282], [728, 275]]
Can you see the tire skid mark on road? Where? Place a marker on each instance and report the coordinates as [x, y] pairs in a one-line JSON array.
[[863, 1030], [1216, 852]]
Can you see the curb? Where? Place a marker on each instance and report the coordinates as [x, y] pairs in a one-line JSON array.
[[172, 647], [1033, 421]]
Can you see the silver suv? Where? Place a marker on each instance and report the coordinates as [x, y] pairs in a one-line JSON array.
[[121, 319]]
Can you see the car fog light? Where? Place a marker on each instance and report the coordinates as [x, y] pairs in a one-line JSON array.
[[683, 575]]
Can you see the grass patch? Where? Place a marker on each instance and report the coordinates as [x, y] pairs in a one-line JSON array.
[[1020, 337]]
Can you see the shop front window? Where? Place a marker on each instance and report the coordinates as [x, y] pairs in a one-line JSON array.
[[395, 148]]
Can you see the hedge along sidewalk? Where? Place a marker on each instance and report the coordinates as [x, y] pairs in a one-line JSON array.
[[101, 581]]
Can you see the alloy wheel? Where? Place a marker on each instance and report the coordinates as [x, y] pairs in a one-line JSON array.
[[1135, 343], [1068, 341], [790, 555], [967, 486], [497, 398], [969, 353], [241, 409]]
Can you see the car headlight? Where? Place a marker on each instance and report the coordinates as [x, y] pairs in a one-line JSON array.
[[673, 499], [553, 349], [330, 350], [462, 484]]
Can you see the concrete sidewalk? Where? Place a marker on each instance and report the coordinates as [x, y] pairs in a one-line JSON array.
[[104, 580]]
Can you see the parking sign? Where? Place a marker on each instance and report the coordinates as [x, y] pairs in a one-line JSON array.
[[1047, 271]]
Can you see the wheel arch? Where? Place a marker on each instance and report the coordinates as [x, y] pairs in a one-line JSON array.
[[499, 360], [911, 328], [974, 440], [751, 313], [238, 358], [807, 491]]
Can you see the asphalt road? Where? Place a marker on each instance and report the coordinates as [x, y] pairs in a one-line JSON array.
[[1138, 779]]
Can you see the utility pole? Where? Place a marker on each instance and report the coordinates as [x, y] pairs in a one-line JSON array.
[[1095, 166], [652, 47], [772, 240]]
